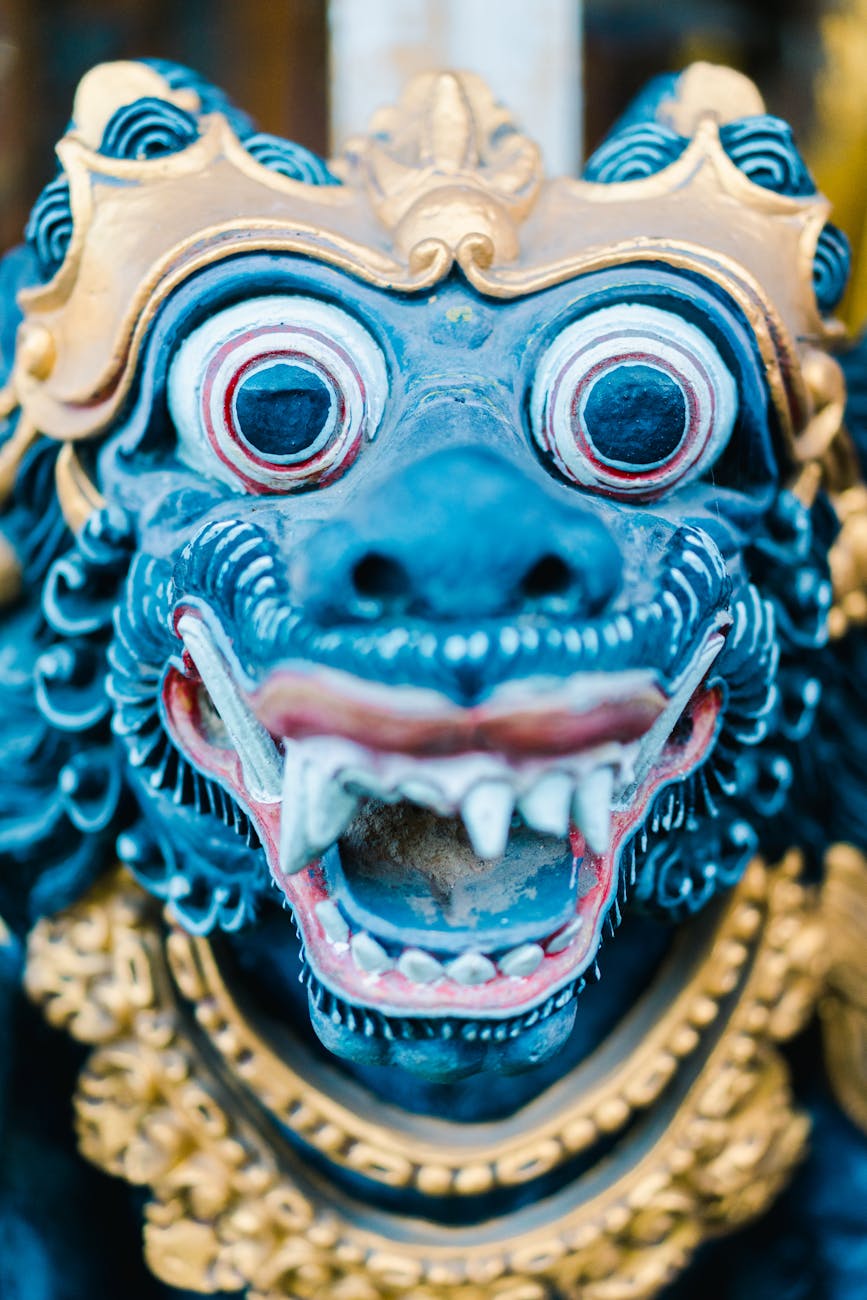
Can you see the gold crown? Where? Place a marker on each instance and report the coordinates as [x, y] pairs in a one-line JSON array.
[[443, 179]]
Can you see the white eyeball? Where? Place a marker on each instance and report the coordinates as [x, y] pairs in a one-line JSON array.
[[632, 400], [277, 392]]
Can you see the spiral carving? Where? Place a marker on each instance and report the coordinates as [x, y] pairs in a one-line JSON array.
[[830, 267], [148, 128], [289, 159], [634, 153], [764, 149], [49, 229]]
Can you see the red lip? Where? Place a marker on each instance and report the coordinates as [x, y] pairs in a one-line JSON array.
[[299, 704]]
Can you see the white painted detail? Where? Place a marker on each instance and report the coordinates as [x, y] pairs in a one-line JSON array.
[[368, 955], [487, 815], [420, 967], [256, 750], [471, 968], [521, 961], [332, 921]]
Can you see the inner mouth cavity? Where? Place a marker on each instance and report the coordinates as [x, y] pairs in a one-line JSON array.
[[412, 878]]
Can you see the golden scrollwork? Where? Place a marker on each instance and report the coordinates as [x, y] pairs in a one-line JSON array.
[[174, 1097], [844, 1006]]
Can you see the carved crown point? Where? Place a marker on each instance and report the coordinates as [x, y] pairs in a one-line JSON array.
[[710, 90], [449, 150]]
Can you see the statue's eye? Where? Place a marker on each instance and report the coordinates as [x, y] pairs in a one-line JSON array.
[[632, 400], [282, 390]]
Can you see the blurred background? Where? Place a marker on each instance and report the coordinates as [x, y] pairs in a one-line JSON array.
[[302, 67]]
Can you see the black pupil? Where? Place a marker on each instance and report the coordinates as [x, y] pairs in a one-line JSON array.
[[282, 409], [635, 416]]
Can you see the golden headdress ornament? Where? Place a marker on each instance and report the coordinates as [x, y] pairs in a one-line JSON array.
[[442, 179]]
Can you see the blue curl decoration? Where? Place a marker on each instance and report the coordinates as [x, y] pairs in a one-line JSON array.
[[830, 267], [635, 152], [211, 98], [764, 149], [148, 128], [289, 159], [49, 228]]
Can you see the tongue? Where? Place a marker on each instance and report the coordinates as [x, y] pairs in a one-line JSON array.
[[411, 877]]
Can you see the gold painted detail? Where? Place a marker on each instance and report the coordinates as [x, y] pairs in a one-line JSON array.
[[844, 1007], [443, 179], [637, 1064], [77, 493], [839, 142], [232, 1206], [447, 163]]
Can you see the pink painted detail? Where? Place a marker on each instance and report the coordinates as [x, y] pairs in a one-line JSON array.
[[298, 703]]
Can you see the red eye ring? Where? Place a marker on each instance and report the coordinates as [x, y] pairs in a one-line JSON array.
[[345, 371], [245, 355], [599, 346]]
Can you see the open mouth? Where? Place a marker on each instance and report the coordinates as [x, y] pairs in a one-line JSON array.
[[443, 863]]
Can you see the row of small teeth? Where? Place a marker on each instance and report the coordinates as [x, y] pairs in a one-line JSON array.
[[325, 779], [421, 967], [374, 1025]]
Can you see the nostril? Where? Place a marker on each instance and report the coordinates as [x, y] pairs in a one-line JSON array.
[[549, 576], [379, 577]]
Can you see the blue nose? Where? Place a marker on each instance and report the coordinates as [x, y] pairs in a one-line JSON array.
[[461, 534]]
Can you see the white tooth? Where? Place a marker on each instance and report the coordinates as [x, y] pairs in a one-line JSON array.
[[521, 961], [316, 809], [566, 935], [546, 808], [419, 966], [260, 760], [332, 922], [471, 968], [591, 808], [487, 815], [329, 808], [423, 793], [369, 955]]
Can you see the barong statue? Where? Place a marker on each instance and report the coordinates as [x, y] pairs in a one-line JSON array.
[[432, 681]]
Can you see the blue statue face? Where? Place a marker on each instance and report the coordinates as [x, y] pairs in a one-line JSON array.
[[457, 614], [441, 620]]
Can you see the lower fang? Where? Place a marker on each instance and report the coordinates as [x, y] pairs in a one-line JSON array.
[[521, 961], [369, 955], [471, 968], [565, 937], [419, 966], [332, 922]]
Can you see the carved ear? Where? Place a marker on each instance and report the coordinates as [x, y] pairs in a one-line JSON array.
[[111, 86]]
